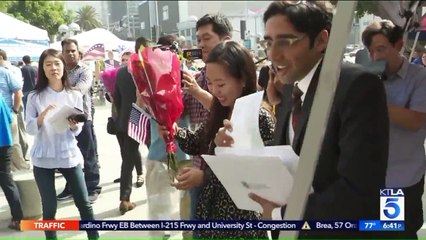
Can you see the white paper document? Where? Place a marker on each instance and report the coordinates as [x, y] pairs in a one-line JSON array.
[[245, 121], [284, 152], [59, 119], [248, 166], [241, 175]]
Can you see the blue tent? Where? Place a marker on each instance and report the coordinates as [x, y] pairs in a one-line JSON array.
[[16, 49]]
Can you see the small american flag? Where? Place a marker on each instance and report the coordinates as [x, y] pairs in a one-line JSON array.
[[138, 124], [96, 52]]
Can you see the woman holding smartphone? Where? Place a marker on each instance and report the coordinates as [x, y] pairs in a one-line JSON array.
[[55, 149]]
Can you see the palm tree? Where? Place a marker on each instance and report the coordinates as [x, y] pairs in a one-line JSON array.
[[87, 18]]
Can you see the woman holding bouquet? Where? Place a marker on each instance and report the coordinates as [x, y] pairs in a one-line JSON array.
[[54, 149], [231, 74]]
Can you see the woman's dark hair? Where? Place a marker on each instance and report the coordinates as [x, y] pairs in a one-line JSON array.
[[240, 65], [307, 17], [42, 81]]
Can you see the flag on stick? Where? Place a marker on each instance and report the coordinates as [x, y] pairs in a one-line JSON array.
[[138, 124]]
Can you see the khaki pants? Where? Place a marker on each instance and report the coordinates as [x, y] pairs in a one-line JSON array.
[[18, 161], [159, 194]]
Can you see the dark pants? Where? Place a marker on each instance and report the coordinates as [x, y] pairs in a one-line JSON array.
[[91, 169], [95, 140], [413, 210], [8, 185], [131, 157], [45, 179]]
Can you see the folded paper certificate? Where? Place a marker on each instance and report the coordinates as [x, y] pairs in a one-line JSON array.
[[268, 177], [248, 166], [284, 152], [59, 119], [245, 121]]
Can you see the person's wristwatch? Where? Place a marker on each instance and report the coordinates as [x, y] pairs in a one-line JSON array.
[[181, 133]]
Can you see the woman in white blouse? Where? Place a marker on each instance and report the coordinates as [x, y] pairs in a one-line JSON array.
[[55, 146]]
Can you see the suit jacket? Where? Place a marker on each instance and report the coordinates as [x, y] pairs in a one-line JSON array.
[[353, 159], [125, 95], [114, 63]]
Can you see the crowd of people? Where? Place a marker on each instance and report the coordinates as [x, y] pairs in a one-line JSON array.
[[374, 137]]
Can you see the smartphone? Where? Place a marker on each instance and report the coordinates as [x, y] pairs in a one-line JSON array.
[[192, 54]]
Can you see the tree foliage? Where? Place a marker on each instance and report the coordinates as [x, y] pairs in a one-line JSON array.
[[4, 6], [48, 15], [87, 18]]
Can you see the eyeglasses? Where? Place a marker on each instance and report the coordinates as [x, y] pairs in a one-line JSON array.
[[281, 43]]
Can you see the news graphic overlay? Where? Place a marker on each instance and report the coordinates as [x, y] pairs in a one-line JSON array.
[[173, 225], [392, 212]]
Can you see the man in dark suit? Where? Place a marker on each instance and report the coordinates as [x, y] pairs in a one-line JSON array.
[[352, 163], [125, 95], [111, 61]]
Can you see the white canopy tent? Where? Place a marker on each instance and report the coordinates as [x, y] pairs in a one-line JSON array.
[[18, 38], [96, 36], [12, 28]]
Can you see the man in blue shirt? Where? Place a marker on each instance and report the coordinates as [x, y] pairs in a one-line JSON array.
[[6, 181], [406, 97], [11, 90]]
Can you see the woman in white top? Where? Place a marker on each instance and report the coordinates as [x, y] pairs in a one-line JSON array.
[[55, 146]]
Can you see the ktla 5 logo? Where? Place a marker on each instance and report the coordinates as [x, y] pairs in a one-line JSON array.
[[392, 205]]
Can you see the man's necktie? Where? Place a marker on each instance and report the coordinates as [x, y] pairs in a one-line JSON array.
[[297, 105]]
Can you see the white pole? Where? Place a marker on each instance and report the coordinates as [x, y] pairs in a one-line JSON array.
[[413, 49], [321, 106]]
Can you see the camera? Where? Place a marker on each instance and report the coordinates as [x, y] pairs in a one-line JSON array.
[[192, 54]]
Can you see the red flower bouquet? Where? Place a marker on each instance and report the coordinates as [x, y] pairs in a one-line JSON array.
[[157, 77]]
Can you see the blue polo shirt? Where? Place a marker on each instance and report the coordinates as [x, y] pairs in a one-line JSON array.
[[8, 85], [5, 120], [407, 163]]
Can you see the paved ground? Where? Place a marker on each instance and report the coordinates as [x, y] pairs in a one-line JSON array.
[[107, 205]]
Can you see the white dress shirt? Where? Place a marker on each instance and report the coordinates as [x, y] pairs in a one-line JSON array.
[[52, 149]]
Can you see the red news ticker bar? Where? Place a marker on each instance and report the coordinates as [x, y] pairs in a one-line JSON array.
[[50, 225]]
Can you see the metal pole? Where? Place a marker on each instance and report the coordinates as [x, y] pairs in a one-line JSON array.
[[321, 106], [108, 21], [413, 49], [157, 29], [133, 26]]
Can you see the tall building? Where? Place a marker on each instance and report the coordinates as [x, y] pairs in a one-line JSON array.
[[124, 18], [157, 18]]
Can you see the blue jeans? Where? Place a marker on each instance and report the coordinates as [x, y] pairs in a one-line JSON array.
[[45, 179], [86, 144]]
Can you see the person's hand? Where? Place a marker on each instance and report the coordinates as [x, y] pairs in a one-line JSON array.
[[164, 133], [223, 139], [188, 178], [73, 124], [274, 95], [43, 114], [190, 83], [266, 205]]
